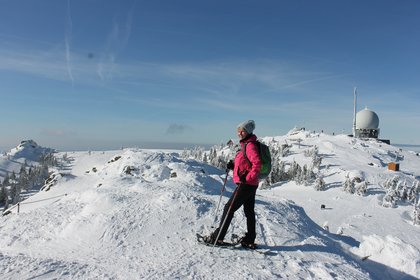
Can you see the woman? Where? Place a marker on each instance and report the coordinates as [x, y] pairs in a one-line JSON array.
[[245, 176]]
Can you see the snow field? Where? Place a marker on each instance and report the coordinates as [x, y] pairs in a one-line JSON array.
[[133, 214]]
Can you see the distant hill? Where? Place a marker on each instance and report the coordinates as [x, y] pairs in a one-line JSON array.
[[27, 151]]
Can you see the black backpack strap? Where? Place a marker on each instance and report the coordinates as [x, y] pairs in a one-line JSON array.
[[244, 150]]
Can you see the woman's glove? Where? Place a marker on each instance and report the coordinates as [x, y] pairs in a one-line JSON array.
[[230, 165]]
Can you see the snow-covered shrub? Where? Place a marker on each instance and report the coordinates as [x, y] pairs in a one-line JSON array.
[[319, 184], [28, 177], [278, 173], [416, 214], [355, 185], [15, 193], [310, 176], [311, 152], [48, 159], [5, 197], [413, 192], [348, 185], [361, 188], [298, 178], [2, 193], [284, 150], [316, 158], [194, 153], [397, 190], [391, 197], [220, 155], [293, 170], [217, 156], [316, 161]]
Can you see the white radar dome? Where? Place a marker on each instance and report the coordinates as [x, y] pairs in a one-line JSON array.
[[367, 119]]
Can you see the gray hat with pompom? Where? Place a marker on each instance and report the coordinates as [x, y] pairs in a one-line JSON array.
[[248, 126]]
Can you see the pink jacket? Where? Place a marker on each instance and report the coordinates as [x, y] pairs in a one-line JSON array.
[[243, 166]]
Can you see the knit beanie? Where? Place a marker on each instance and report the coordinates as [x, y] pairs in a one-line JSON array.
[[248, 126]]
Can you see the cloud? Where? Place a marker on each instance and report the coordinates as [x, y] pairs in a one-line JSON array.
[[58, 133], [176, 129], [237, 77], [35, 63]]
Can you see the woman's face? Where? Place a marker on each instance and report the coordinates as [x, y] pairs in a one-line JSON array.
[[242, 134]]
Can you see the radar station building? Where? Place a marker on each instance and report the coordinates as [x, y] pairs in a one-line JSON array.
[[367, 124]]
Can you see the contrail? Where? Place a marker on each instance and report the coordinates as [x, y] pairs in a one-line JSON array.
[[116, 41], [67, 39], [313, 80]]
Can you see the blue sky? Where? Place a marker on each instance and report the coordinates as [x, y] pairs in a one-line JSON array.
[[91, 74]]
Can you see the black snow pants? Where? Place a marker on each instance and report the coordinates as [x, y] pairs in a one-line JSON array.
[[243, 195]]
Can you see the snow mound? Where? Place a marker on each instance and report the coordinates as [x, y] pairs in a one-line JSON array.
[[391, 251]]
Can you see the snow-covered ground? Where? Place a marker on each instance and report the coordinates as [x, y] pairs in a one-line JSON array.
[[133, 214]]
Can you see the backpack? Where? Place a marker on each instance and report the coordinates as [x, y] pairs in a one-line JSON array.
[[265, 157]]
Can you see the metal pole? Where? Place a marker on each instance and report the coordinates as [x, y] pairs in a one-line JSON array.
[[354, 111], [221, 194], [227, 214]]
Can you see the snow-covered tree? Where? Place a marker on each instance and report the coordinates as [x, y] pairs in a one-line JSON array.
[[416, 218], [213, 160], [309, 152], [5, 197], [361, 188], [293, 170], [48, 159], [278, 172], [316, 161], [66, 158], [6, 181], [391, 183], [310, 175], [348, 185], [319, 184], [2, 193], [12, 177], [23, 181], [284, 150], [392, 192], [397, 190], [299, 178], [413, 192], [205, 159], [15, 192]]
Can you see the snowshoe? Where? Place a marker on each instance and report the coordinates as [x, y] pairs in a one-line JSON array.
[[251, 246], [243, 242], [210, 241]]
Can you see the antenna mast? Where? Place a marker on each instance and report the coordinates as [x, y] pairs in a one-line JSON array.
[[354, 111]]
